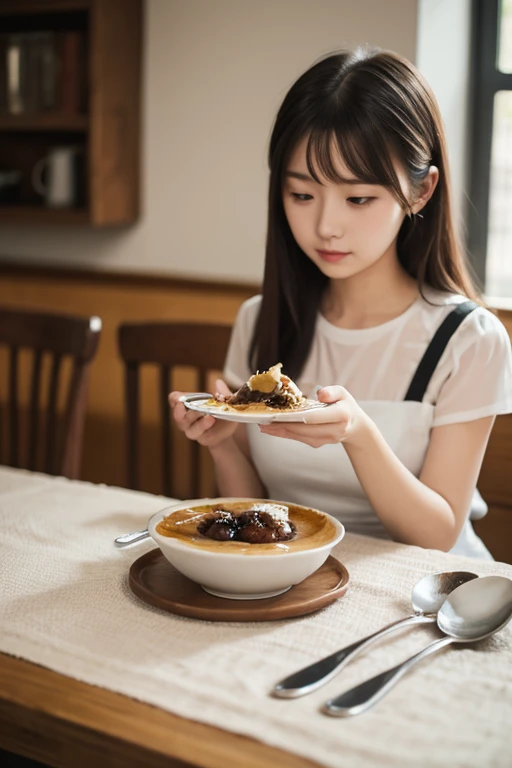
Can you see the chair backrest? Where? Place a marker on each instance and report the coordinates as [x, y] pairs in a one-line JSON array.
[[168, 345], [53, 441], [495, 485]]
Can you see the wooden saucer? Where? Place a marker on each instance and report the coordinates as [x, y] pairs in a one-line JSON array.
[[157, 582]]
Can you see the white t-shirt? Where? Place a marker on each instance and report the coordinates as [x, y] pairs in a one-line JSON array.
[[473, 379]]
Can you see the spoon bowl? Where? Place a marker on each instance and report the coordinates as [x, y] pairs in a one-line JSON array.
[[475, 610], [474, 613], [430, 592], [428, 595]]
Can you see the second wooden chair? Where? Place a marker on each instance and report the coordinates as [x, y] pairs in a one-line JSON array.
[[168, 345]]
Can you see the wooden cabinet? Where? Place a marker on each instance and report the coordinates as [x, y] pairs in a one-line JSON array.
[[70, 79]]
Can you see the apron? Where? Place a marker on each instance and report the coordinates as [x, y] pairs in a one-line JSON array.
[[323, 478]]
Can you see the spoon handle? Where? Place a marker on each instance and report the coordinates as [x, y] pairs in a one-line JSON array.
[[368, 693], [313, 676], [131, 538]]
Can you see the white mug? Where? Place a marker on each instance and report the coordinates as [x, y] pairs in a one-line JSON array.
[[59, 189]]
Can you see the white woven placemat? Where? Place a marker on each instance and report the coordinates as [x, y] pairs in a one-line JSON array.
[[65, 604]]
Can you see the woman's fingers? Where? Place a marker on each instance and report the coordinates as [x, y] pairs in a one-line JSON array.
[[201, 425], [174, 398], [314, 436], [183, 417], [337, 411], [222, 388], [332, 394]]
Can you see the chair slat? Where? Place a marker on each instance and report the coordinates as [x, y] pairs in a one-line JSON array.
[[51, 415], [132, 422], [13, 408], [201, 346], [195, 470], [33, 428], [73, 420], [166, 430]]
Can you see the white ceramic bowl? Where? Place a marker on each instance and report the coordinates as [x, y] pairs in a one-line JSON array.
[[236, 575]]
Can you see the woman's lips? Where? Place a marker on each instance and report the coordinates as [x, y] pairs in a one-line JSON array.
[[333, 256]]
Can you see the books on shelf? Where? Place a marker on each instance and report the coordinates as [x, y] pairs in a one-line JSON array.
[[42, 71]]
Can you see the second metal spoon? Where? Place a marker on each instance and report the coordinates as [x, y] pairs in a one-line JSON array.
[[473, 612], [428, 595]]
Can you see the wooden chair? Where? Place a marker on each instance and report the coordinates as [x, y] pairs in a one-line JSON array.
[[495, 485], [57, 338], [168, 345]]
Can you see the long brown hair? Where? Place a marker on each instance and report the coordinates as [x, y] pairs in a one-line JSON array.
[[371, 107]]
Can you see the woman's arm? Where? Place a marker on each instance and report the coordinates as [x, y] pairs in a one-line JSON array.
[[428, 511], [234, 470], [228, 446]]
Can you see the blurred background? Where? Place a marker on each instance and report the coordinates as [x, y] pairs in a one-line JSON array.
[[207, 77]]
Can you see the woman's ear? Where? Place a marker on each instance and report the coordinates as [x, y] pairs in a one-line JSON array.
[[427, 188]]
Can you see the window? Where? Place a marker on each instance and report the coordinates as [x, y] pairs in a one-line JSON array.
[[490, 217]]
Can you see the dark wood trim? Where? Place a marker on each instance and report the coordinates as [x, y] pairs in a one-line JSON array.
[[27, 271], [156, 281]]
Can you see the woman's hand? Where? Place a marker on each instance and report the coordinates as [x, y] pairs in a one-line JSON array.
[[206, 430], [343, 422]]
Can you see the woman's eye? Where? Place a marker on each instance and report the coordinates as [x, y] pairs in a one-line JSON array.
[[360, 200], [301, 197]]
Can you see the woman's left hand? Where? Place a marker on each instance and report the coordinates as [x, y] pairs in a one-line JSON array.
[[343, 422]]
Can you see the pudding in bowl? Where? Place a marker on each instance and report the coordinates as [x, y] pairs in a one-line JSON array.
[[255, 558]]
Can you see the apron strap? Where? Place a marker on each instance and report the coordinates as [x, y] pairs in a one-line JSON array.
[[435, 349]]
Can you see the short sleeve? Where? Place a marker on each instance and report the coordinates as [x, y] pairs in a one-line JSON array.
[[474, 376], [236, 369]]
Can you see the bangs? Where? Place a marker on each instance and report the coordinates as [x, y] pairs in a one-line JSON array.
[[365, 152]]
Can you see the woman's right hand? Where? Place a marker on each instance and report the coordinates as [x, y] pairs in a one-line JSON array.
[[206, 430]]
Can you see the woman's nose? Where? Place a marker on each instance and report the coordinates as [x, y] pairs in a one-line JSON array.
[[330, 221]]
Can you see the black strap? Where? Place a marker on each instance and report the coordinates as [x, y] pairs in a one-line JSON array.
[[435, 349]]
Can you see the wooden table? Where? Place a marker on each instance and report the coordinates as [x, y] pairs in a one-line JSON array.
[[63, 722]]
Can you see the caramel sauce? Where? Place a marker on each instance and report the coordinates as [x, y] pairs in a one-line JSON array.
[[258, 407], [313, 529]]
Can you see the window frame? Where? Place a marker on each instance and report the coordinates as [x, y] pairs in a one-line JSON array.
[[486, 80]]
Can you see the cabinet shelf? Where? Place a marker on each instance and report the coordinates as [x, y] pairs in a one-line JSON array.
[[16, 7], [36, 215], [86, 95], [44, 122]]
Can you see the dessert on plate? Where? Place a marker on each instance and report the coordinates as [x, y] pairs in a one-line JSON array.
[[270, 390]]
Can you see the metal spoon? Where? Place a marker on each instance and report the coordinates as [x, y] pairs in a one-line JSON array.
[[131, 538], [428, 595], [472, 612], [136, 536]]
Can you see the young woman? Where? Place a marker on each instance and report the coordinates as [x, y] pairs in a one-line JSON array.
[[365, 295]]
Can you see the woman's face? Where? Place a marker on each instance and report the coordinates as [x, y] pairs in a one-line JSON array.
[[343, 228]]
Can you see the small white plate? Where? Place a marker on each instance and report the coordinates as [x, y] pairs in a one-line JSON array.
[[198, 402]]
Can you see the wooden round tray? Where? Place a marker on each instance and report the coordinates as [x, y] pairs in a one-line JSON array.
[[157, 582]]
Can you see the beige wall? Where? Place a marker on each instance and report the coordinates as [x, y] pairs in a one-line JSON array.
[[215, 73]]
